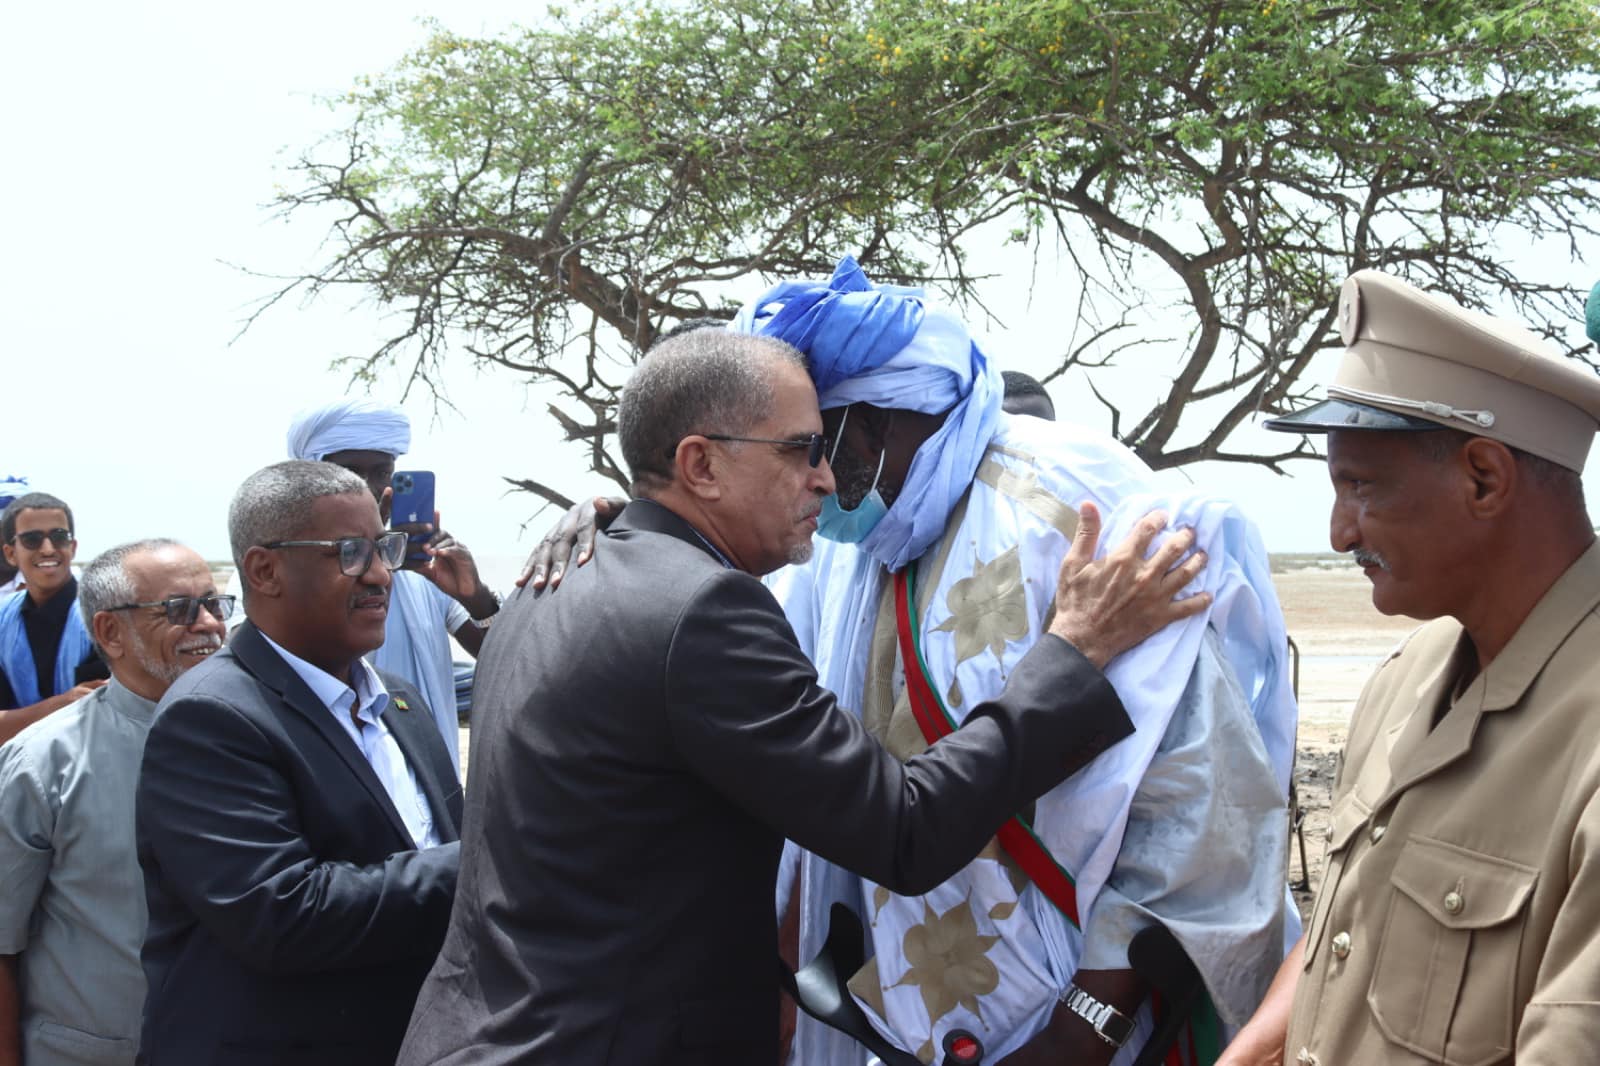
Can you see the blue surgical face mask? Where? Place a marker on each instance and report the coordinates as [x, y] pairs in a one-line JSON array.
[[852, 526]]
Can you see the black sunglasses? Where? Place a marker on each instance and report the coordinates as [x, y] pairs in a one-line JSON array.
[[33, 539], [815, 444], [183, 610], [356, 553]]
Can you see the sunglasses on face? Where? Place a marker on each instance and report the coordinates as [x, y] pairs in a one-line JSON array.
[[814, 443], [356, 553], [33, 539], [183, 610]]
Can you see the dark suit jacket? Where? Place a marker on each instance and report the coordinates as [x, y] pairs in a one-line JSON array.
[[643, 740], [291, 917]]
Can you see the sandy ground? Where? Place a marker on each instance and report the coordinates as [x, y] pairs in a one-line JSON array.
[[1328, 609], [1327, 606]]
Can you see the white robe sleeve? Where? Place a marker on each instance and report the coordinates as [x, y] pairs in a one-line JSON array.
[[1204, 849]]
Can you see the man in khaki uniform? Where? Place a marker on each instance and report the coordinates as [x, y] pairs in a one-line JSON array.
[[1459, 918]]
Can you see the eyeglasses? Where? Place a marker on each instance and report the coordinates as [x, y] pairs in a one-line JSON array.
[[183, 610], [814, 443], [355, 553], [33, 539]]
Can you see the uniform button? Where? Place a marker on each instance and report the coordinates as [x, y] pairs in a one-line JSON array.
[[1377, 832], [1453, 902], [1306, 1057], [1341, 945]]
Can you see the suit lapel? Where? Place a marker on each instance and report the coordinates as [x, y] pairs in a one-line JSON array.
[[406, 727], [251, 649]]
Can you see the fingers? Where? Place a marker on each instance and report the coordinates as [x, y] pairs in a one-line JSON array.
[[533, 571], [1137, 543], [1106, 606], [1189, 606], [1178, 577], [1084, 542]]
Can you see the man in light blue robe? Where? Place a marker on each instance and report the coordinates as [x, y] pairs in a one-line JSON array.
[[968, 511]]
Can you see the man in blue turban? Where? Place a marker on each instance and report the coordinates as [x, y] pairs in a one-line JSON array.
[[929, 584]]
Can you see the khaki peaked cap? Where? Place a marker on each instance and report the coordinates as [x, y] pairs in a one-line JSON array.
[[1416, 361]]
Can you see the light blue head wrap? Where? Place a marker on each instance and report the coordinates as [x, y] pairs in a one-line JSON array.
[[347, 425], [885, 345]]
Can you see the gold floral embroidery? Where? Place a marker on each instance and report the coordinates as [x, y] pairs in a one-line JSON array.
[[947, 960], [987, 610]]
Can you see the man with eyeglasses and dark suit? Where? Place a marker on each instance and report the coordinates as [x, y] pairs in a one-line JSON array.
[[47, 659], [297, 812], [71, 990]]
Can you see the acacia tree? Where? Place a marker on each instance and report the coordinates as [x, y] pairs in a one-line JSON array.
[[551, 200]]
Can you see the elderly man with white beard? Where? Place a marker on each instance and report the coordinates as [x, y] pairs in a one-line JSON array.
[[72, 917]]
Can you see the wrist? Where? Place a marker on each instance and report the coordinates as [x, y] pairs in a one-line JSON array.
[[1106, 1022], [1084, 644], [484, 605]]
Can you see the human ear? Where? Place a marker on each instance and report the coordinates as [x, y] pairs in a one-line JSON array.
[[10, 553], [1492, 472], [262, 572], [699, 467], [107, 632]]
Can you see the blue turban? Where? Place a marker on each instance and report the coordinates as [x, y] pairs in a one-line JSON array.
[[349, 425], [885, 345], [1591, 314]]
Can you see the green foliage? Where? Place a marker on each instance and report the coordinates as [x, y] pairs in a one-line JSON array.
[[561, 194]]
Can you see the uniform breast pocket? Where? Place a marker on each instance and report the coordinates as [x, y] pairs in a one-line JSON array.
[[1445, 977]]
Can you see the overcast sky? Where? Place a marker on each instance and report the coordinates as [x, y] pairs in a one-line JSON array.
[[143, 140]]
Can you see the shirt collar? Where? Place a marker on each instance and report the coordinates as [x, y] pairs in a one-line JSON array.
[[370, 698], [128, 702], [712, 548], [56, 607], [1571, 600]]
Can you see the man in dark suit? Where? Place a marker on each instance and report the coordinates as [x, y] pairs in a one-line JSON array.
[[297, 814], [652, 732]]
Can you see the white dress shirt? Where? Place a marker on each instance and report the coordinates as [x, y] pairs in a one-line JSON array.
[[371, 734]]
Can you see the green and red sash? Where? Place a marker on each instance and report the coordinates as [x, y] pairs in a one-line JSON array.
[[1016, 836]]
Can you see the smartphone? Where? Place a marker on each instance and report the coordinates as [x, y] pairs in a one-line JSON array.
[[412, 502]]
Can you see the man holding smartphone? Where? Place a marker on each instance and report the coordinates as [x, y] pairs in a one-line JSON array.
[[430, 601]]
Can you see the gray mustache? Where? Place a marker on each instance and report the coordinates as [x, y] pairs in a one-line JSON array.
[[1366, 558]]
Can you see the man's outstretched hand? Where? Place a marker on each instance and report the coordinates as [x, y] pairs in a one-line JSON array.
[[1106, 606], [571, 542]]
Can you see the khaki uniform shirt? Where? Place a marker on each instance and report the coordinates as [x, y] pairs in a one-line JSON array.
[[1459, 918]]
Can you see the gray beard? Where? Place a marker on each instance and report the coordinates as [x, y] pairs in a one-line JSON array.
[[166, 673]]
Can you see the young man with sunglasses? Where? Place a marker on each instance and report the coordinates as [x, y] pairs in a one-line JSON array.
[[71, 989], [296, 811], [46, 656]]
